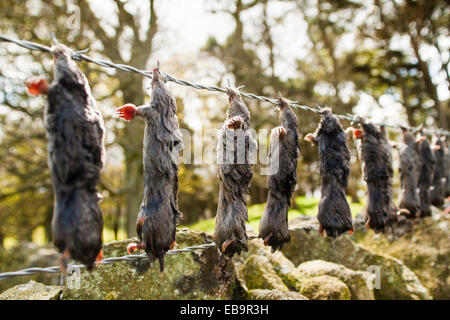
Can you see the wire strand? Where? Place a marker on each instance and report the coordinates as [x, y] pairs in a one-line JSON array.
[[79, 56], [358, 224]]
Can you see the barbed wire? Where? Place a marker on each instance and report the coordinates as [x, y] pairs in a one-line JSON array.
[[80, 56], [357, 223], [56, 269]]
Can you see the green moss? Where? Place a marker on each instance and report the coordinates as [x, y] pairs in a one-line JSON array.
[[32, 291], [397, 281], [425, 251], [262, 294], [324, 288], [258, 273], [191, 275], [356, 281]]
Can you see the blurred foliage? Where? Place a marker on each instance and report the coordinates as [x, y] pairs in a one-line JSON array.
[[351, 49], [307, 206]]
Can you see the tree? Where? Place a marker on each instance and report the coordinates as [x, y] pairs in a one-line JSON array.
[[405, 72], [26, 21]]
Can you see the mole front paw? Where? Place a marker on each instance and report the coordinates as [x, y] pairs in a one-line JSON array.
[[234, 123], [36, 86], [227, 243], [267, 239], [132, 247], [281, 132], [310, 138], [127, 111], [321, 230]]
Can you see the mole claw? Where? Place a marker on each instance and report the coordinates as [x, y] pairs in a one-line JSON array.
[[234, 123], [64, 260], [227, 243], [281, 132], [321, 230], [127, 111], [99, 258], [36, 86], [131, 248], [267, 239]]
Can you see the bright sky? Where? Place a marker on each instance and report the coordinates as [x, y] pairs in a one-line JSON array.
[[187, 28]]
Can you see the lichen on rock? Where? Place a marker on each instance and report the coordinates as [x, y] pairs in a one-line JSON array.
[[264, 270], [201, 274], [264, 294], [258, 273], [356, 281], [32, 291], [323, 288], [397, 280], [426, 251]]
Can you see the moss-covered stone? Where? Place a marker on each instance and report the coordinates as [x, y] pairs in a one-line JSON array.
[[193, 275], [397, 280], [258, 273], [283, 267], [323, 288], [262, 294], [426, 251], [356, 281], [293, 279], [26, 255], [32, 291]]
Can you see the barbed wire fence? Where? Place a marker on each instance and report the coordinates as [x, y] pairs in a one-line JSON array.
[[357, 223], [80, 56]]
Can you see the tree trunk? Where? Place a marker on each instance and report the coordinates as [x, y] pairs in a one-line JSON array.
[[429, 85], [48, 226], [132, 144], [408, 109], [117, 220], [2, 239]]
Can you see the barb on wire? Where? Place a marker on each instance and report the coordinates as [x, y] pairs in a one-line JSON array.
[[78, 55]]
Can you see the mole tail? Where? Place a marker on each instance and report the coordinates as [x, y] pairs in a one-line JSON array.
[[77, 225]]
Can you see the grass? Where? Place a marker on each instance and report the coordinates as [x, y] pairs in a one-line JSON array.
[[38, 237], [307, 206]]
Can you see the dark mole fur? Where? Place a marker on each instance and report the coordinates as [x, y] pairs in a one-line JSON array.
[[334, 212], [75, 134], [234, 150], [159, 214], [284, 152]]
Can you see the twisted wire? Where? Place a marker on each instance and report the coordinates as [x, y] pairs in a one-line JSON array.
[[79, 56], [56, 269]]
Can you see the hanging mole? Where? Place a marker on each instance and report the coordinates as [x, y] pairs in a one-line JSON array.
[[426, 173], [75, 132], [235, 149], [409, 174], [447, 167], [376, 165], [334, 212], [159, 214], [393, 212], [284, 151], [437, 192], [397, 217]]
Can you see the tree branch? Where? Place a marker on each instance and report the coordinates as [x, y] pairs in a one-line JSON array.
[[89, 19]]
